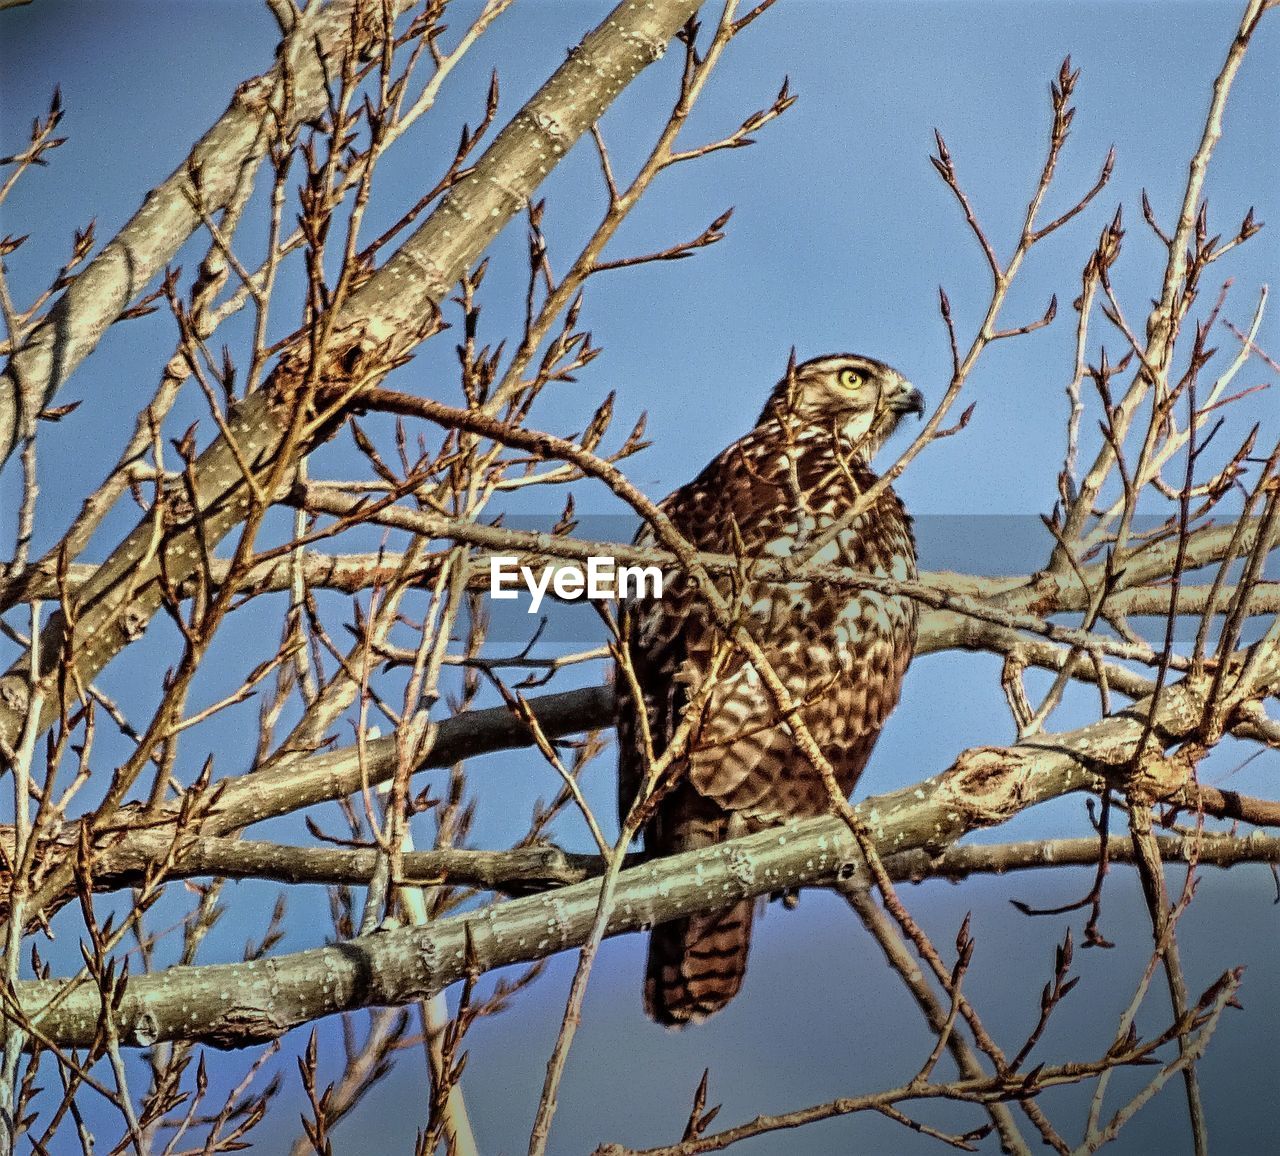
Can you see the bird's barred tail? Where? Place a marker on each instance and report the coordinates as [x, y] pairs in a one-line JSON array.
[[696, 965]]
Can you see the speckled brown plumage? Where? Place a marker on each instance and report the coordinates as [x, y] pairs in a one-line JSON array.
[[839, 650]]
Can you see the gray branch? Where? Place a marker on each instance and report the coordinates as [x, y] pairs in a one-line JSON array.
[[115, 606], [541, 868], [232, 1005]]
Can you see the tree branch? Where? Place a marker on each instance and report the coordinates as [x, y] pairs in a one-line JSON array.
[[230, 1005]]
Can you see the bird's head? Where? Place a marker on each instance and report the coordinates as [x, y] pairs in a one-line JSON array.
[[863, 399]]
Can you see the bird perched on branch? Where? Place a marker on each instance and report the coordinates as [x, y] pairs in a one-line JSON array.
[[840, 651]]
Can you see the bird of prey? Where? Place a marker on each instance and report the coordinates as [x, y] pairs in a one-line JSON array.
[[841, 651]]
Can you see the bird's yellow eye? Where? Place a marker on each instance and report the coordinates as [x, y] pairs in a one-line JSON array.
[[851, 378]]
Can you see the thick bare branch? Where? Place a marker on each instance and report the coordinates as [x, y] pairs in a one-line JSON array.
[[237, 1004], [380, 321]]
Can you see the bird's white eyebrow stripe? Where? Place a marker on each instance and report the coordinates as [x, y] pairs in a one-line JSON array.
[[842, 359]]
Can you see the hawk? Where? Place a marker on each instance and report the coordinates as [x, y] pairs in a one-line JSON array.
[[841, 651]]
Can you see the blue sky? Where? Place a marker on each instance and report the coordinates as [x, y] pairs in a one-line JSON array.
[[841, 236]]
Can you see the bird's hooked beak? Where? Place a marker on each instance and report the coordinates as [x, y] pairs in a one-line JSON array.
[[906, 399]]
